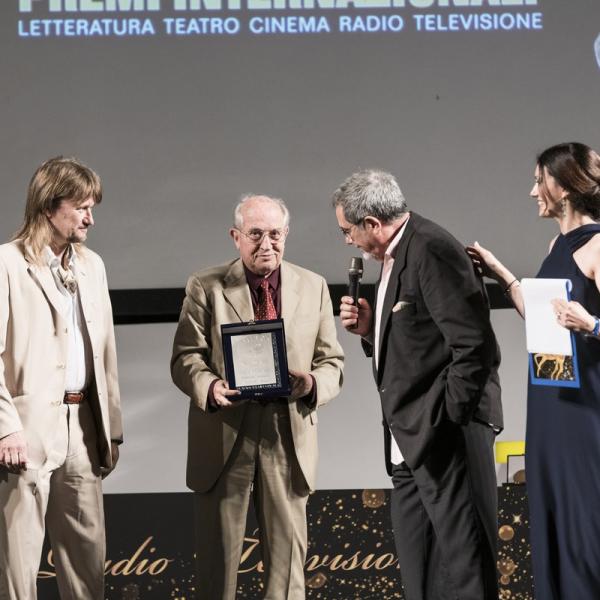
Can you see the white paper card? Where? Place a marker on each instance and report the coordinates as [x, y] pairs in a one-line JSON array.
[[544, 334]]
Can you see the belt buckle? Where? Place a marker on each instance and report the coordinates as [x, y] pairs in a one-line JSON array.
[[74, 397]]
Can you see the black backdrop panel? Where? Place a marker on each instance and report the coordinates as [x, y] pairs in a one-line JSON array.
[[163, 305], [350, 556]]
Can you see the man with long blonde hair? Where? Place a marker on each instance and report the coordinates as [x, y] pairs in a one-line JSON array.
[[60, 416]]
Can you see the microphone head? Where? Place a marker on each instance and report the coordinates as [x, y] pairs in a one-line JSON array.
[[356, 266]]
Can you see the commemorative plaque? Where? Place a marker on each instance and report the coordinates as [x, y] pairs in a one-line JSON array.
[[256, 359]]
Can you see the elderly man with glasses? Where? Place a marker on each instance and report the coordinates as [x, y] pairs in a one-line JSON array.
[[269, 448]]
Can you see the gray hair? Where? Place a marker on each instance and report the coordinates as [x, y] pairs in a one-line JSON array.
[[238, 219], [372, 193]]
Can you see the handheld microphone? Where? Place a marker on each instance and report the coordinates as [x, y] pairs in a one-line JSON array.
[[354, 276]]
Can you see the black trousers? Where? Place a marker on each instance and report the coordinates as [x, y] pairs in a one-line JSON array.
[[444, 515]]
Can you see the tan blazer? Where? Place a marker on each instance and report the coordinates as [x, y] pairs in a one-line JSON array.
[[33, 345], [221, 295]]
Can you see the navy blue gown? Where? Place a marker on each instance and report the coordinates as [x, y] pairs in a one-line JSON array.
[[563, 453]]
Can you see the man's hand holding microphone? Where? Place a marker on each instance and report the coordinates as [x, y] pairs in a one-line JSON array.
[[355, 313]]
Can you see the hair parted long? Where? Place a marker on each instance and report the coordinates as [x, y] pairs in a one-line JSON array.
[[55, 180]]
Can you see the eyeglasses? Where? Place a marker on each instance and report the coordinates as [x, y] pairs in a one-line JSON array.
[[258, 235], [347, 231]]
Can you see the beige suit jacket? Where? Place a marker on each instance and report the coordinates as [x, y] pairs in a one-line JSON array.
[[33, 347], [221, 295]]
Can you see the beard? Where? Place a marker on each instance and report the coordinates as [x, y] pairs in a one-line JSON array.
[[77, 236]]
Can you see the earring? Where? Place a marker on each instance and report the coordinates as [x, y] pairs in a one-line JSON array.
[[563, 204]]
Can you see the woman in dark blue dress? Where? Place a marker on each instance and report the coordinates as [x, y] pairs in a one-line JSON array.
[[563, 424]]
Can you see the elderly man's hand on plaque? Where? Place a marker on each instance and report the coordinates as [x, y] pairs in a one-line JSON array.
[[222, 395]]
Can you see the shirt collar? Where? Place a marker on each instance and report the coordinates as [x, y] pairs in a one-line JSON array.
[[255, 280], [54, 261], [393, 246]]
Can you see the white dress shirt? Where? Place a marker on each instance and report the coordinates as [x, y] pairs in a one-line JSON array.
[[386, 270], [79, 364]]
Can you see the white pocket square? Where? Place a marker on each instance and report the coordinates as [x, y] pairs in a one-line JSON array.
[[401, 305]]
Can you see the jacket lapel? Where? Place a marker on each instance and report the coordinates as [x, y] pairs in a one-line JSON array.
[[393, 289], [83, 285], [237, 292], [289, 292], [289, 283], [43, 276]]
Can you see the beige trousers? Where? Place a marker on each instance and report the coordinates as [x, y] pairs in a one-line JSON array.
[[262, 458], [64, 495]]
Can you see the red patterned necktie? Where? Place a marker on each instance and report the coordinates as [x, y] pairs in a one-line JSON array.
[[265, 311]]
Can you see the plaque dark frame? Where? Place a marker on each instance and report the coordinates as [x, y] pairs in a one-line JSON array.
[[275, 327]]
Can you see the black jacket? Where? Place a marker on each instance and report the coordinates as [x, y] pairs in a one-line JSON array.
[[438, 356]]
